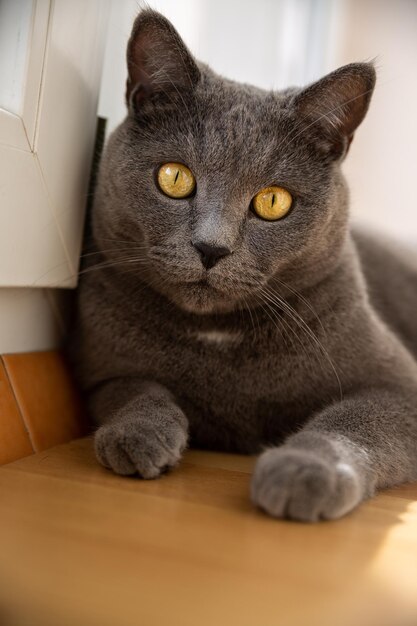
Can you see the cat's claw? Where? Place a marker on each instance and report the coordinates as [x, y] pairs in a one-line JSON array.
[[299, 485], [142, 450]]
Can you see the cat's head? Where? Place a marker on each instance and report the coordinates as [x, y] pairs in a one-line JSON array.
[[261, 196]]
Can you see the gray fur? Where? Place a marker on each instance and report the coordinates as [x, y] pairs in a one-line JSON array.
[[302, 340]]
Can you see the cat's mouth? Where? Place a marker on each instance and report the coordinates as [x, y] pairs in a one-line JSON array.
[[201, 296], [203, 282], [207, 293], [206, 286]]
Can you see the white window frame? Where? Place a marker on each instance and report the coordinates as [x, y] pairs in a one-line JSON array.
[[46, 148]]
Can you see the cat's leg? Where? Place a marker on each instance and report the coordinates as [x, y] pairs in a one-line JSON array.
[[143, 431], [344, 453]]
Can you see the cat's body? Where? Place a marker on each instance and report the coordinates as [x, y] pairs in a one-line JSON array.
[[301, 330], [246, 379], [391, 277]]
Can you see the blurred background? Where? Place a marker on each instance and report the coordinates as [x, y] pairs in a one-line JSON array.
[[277, 43]]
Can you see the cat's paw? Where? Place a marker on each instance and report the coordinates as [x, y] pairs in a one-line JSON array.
[[300, 485], [129, 447]]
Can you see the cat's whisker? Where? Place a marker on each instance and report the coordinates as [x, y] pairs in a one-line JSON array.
[[285, 325], [304, 326], [126, 241], [107, 250], [248, 308], [297, 294], [114, 262], [153, 283], [290, 332], [276, 319]]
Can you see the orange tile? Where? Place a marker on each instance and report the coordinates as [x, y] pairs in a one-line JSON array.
[[46, 396], [14, 438]]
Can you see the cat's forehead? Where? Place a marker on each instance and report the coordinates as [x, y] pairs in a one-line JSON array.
[[239, 109], [236, 125]]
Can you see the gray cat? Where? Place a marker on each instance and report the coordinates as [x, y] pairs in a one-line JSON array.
[[228, 304]]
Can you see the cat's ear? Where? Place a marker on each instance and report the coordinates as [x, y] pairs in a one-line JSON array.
[[334, 106], [157, 59]]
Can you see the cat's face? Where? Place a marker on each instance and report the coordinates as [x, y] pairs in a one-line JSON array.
[[211, 251]]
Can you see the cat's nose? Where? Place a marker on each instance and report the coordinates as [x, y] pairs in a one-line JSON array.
[[210, 254]]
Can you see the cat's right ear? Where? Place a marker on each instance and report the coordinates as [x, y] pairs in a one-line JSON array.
[[158, 61]]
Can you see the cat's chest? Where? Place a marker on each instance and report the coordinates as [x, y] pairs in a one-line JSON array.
[[235, 380], [215, 339], [235, 361], [212, 363], [234, 385]]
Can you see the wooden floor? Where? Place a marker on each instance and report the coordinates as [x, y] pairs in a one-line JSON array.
[[82, 547]]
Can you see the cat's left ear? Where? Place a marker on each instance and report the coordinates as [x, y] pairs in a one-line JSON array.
[[334, 106], [158, 61]]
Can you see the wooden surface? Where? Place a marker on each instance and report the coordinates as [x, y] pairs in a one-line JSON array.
[[81, 546]]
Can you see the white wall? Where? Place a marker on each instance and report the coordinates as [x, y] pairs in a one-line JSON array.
[[270, 43], [382, 164], [274, 43]]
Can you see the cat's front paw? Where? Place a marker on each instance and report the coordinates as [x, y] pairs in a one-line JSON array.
[[129, 447], [300, 485]]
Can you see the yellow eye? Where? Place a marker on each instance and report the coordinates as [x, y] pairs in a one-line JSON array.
[[176, 180], [272, 203]]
